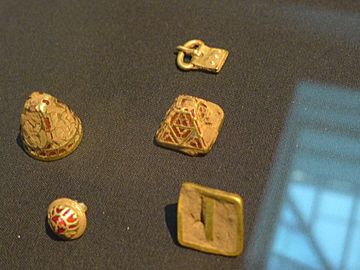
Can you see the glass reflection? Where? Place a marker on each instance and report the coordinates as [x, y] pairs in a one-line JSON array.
[[310, 217]]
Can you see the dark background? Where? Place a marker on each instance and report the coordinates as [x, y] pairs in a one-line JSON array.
[[113, 62]]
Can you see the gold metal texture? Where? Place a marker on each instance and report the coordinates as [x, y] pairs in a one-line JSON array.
[[67, 218], [191, 125], [49, 129], [203, 57], [210, 220]]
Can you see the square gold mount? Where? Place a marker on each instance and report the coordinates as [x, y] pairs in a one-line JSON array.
[[210, 220], [191, 125]]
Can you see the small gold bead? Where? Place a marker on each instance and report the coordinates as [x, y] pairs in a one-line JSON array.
[[67, 218]]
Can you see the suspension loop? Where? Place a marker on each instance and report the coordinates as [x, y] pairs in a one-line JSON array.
[[189, 48]]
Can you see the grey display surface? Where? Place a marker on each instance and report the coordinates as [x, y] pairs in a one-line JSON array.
[[113, 63]]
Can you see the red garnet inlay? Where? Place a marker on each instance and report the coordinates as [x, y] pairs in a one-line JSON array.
[[62, 222], [61, 230], [174, 117], [190, 120], [195, 142], [47, 123], [176, 132], [71, 218], [55, 219], [46, 102]]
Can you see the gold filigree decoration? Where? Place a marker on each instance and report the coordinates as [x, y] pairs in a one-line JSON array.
[[50, 130], [191, 125]]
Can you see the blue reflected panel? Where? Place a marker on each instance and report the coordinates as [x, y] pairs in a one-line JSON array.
[[354, 256], [310, 217]]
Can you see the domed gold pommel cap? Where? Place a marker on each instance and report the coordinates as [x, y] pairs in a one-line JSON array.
[[50, 130], [67, 218]]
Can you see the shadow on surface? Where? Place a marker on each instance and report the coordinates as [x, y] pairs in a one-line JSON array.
[[171, 221], [49, 232], [19, 142]]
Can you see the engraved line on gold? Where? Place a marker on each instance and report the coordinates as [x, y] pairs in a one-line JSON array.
[[207, 217]]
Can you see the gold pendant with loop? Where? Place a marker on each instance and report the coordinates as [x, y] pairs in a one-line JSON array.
[[203, 57]]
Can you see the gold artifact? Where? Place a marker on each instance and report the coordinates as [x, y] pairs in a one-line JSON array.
[[210, 220], [202, 56], [191, 125], [50, 130], [67, 218]]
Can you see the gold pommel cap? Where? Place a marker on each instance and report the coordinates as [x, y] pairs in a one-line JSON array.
[[50, 130], [191, 125]]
